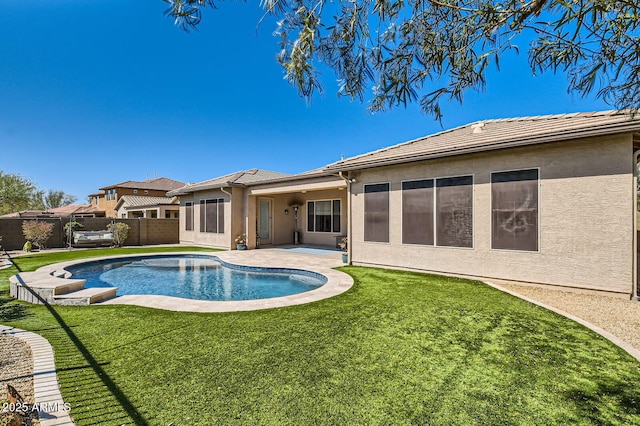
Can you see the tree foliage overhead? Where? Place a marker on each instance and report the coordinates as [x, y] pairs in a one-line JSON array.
[[18, 193], [396, 52], [54, 198]]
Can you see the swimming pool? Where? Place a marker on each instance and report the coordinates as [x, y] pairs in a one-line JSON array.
[[199, 277]]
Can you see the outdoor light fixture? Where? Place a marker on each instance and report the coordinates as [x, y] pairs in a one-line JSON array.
[[286, 212]]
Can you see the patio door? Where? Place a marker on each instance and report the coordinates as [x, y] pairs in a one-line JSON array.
[[265, 221]]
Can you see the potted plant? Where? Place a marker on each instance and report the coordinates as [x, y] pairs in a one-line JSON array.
[[343, 245], [241, 242]]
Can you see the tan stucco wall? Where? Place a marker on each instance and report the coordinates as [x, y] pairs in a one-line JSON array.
[[586, 216], [284, 224], [207, 238]]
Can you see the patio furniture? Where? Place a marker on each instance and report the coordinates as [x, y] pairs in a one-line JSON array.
[[92, 238]]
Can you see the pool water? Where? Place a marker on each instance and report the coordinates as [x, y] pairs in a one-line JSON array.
[[194, 277]]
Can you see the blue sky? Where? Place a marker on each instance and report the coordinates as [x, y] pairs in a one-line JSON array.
[[98, 92]]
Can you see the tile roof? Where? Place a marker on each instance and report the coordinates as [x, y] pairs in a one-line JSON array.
[[158, 184], [72, 209], [63, 211], [145, 201], [496, 134], [243, 178]]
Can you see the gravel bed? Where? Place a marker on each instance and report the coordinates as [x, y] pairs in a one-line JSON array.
[[618, 316], [16, 369]]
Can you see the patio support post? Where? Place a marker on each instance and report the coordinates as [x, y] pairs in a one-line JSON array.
[[634, 280], [349, 181]]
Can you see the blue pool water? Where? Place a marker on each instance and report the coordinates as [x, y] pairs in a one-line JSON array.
[[194, 277]]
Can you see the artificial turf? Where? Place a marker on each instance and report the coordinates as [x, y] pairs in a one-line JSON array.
[[398, 348]]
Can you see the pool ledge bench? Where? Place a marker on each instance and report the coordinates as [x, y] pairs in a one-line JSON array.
[[55, 288]]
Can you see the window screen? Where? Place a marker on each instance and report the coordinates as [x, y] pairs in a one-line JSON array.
[[454, 211], [188, 223], [376, 212], [323, 216], [203, 215], [417, 212], [220, 216], [212, 216], [514, 210], [336, 215]]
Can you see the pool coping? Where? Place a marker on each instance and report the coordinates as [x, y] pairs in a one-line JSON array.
[[337, 282]]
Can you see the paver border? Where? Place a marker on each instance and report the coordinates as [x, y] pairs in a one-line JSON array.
[[51, 407], [337, 283]]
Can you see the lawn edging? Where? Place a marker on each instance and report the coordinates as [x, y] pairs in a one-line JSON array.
[[46, 390], [631, 350]]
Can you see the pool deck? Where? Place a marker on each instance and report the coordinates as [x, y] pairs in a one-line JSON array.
[[295, 257]]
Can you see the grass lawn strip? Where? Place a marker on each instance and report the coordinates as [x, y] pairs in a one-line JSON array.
[[398, 348]]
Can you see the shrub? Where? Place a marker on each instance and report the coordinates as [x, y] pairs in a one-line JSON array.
[[120, 231], [27, 246], [37, 232]]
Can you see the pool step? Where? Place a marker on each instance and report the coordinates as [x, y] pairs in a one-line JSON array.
[[86, 296], [54, 288]]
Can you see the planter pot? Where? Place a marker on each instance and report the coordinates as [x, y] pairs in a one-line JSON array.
[[345, 258], [241, 246]]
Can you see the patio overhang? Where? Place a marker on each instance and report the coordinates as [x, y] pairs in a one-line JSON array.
[[317, 184]]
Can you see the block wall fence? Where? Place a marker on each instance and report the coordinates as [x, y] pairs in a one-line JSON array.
[[142, 231]]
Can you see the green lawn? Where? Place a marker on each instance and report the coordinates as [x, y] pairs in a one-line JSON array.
[[398, 348]]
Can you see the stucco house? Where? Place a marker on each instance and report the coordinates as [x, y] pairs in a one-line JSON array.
[[546, 200], [110, 195], [270, 208]]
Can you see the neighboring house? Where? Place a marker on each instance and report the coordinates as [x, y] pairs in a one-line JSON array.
[[77, 210], [110, 195], [548, 200], [270, 208], [137, 206]]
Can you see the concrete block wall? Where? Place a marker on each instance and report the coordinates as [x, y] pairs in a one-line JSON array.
[[141, 232]]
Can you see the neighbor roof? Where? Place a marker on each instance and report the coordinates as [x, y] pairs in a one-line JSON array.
[[158, 184], [496, 134], [64, 211], [243, 178], [137, 201]]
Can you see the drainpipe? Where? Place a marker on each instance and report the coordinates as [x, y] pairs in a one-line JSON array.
[[225, 191], [634, 286], [231, 218], [349, 181]]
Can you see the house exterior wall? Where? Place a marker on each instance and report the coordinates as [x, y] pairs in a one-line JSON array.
[[586, 225], [217, 240], [284, 225]]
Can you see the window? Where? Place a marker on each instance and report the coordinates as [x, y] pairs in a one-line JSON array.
[[167, 215], [323, 216], [212, 216], [417, 212], [454, 211], [135, 191], [188, 222], [376, 212], [514, 210]]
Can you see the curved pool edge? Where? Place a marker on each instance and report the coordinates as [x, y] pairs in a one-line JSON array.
[[337, 282]]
